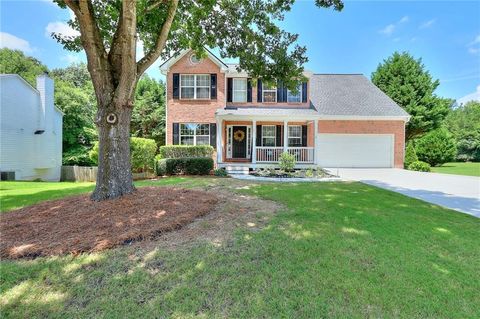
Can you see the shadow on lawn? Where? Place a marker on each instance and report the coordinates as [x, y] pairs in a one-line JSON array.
[[15, 201]]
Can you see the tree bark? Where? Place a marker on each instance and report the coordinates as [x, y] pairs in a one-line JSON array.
[[114, 177]]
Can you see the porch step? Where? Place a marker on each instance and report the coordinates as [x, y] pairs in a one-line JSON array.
[[239, 170]]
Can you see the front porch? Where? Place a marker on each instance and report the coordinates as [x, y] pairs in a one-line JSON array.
[[260, 143]]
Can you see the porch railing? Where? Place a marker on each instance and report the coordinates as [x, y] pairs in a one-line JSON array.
[[267, 154]]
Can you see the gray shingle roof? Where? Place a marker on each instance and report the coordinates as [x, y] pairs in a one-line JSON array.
[[350, 94], [260, 111]]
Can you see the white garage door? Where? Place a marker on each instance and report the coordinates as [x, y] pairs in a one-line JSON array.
[[355, 150]]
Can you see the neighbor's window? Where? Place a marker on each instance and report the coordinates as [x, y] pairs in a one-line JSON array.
[[295, 97], [269, 135], [239, 90], [294, 135], [194, 86], [269, 93], [194, 134]]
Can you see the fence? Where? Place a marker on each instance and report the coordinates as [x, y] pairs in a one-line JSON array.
[[79, 174]]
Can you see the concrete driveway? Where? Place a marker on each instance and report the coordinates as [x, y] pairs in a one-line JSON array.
[[461, 193]]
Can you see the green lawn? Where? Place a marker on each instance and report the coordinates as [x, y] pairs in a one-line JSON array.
[[337, 250], [470, 169]]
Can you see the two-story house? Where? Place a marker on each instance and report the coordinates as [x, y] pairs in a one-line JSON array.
[[331, 120]]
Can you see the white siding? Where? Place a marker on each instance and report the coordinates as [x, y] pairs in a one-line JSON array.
[[30, 155]]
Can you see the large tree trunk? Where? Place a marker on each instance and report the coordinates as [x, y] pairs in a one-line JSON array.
[[114, 177]]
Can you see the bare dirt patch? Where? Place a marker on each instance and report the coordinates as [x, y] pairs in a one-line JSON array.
[[77, 224]]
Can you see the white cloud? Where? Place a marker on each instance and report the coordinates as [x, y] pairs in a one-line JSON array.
[[475, 96], [388, 30], [427, 24], [61, 28], [71, 58], [10, 41], [474, 46]]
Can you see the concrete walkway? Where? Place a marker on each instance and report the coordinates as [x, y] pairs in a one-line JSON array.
[[461, 193]]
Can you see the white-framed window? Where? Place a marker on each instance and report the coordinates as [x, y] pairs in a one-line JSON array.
[[269, 93], [294, 135], [269, 135], [239, 90], [195, 86], [295, 97], [194, 134]]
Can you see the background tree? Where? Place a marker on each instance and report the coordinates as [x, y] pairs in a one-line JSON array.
[[411, 86], [109, 31], [464, 123], [15, 62], [148, 116]]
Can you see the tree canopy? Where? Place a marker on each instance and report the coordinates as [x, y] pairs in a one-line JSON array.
[[15, 62], [411, 86], [464, 123]]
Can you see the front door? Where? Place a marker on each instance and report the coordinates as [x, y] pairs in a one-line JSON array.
[[239, 142]]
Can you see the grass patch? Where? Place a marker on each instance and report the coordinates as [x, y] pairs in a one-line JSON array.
[[339, 250], [460, 168]]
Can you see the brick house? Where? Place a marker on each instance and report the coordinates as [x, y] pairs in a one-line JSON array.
[[332, 120]]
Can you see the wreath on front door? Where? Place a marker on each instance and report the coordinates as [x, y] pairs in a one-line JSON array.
[[239, 135]]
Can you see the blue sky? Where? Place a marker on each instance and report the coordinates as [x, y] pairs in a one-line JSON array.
[[445, 34]]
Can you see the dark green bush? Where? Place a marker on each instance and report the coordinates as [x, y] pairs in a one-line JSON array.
[[410, 155], [77, 156], [220, 172], [142, 154], [184, 151], [419, 166], [189, 166], [436, 147]]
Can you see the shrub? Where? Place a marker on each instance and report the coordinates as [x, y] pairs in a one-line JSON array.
[[436, 147], [185, 151], [142, 154], [286, 162], [220, 172], [419, 166], [188, 165], [410, 155], [77, 156]]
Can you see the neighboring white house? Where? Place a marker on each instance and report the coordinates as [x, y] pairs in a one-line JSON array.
[[30, 129]]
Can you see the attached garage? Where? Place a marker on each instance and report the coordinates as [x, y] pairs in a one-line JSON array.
[[355, 150]]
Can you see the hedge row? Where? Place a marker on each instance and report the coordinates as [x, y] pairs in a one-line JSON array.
[[188, 165], [185, 151]]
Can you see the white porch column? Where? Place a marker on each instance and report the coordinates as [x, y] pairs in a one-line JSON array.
[[315, 141], [219, 140], [285, 135], [254, 142]]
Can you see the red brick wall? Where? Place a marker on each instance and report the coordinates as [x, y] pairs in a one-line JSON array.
[[397, 128], [196, 111]]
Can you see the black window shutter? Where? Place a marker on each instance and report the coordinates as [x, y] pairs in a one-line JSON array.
[[304, 135], [304, 92], [259, 135], [213, 86], [176, 85], [213, 135], [229, 89], [249, 90], [259, 91], [176, 134], [280, 97], [279, 136]]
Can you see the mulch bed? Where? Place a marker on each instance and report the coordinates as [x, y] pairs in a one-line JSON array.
[[77, 224]]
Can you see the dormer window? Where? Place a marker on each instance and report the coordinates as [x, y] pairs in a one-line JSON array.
[[195, 86], [269, 93]]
